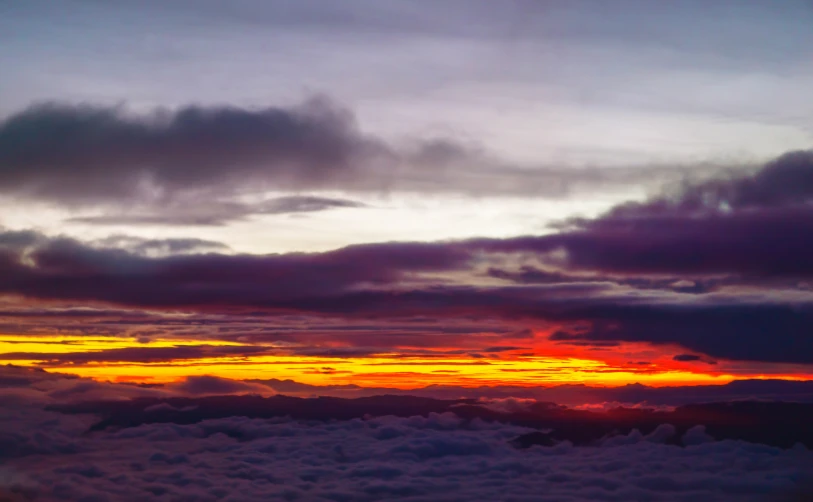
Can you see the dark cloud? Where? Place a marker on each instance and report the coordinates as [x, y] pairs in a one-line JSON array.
[[207, 384], [576, 395], [383, 281], [80, 152], [502, 349], [769, 243], [413, 454], [26, 239], [532, 275], [211, 278], [759, 225], [755, 332], [528, 274], [195, 160], [137, 354], [18, 376], [302, 204], [621, 277], [686, 357], [787, 180], [779, 424], [522, 334]]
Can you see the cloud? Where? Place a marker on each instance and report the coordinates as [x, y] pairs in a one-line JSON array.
[[781, 424], [711, 278], [753, 332], [90, 390], [303, 204], [528, 274], [686, 357], [137, 354], [212, 385], [532, 275], [754, 226], [393, 280], [183, 159], [17, 376], [24, 386], [427, 457], [160, 247], [786, 180], [217, 213], [231, 279], [86, 152]]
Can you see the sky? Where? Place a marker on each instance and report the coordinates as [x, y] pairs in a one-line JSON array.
[[407, 194]]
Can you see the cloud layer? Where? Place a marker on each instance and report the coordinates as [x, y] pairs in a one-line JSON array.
[[720, 268], [83, 155], [216, 213], [437, 457]]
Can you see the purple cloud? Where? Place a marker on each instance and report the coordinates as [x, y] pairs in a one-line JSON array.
[[624, 276]]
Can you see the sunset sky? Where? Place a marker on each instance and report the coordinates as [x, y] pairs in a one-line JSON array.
[[408, 193]]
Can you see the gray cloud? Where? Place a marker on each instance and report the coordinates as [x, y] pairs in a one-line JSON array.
[[153, 247], [76, 152], [169, 161], [302, 204], [216, 213]]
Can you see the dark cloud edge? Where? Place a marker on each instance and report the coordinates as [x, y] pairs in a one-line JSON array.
[[83, 155]]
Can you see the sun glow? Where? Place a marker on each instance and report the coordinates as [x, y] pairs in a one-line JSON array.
[[393, 370]]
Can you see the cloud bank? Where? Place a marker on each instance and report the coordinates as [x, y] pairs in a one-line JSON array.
[[82, 155], [721, 268], [435, 457]]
